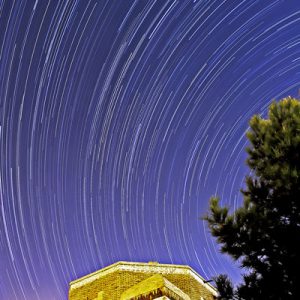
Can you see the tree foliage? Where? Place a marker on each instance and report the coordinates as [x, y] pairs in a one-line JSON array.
[[263, 235], [225, 287]]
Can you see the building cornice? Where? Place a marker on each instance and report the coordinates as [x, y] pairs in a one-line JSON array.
[[142, 267]]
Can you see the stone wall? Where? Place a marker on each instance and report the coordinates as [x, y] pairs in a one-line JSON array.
[[116, 280]]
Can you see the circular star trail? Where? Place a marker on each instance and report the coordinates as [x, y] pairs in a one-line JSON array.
[[118, 121]]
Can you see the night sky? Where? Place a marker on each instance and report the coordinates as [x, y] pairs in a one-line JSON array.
[[119, 119]]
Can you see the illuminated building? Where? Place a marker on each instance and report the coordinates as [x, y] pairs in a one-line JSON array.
[[142, 281]]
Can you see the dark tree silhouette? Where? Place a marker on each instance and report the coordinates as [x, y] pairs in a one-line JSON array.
[[225, 287], [263, 235]]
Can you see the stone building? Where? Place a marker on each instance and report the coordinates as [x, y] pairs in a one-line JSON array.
[[142, 281]]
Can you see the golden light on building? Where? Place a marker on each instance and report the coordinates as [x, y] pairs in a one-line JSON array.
[[142, 281]]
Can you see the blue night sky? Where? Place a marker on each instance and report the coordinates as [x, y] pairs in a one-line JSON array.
[[119, 119]]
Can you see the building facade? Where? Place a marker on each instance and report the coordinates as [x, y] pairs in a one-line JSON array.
[[142, 281]]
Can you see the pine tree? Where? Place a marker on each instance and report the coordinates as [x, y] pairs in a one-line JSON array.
[[263, 235], [224, 286]]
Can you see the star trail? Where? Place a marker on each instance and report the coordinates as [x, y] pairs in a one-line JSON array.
[[118, 121]]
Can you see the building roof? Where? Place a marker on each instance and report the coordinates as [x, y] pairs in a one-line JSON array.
[[123, 275]]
